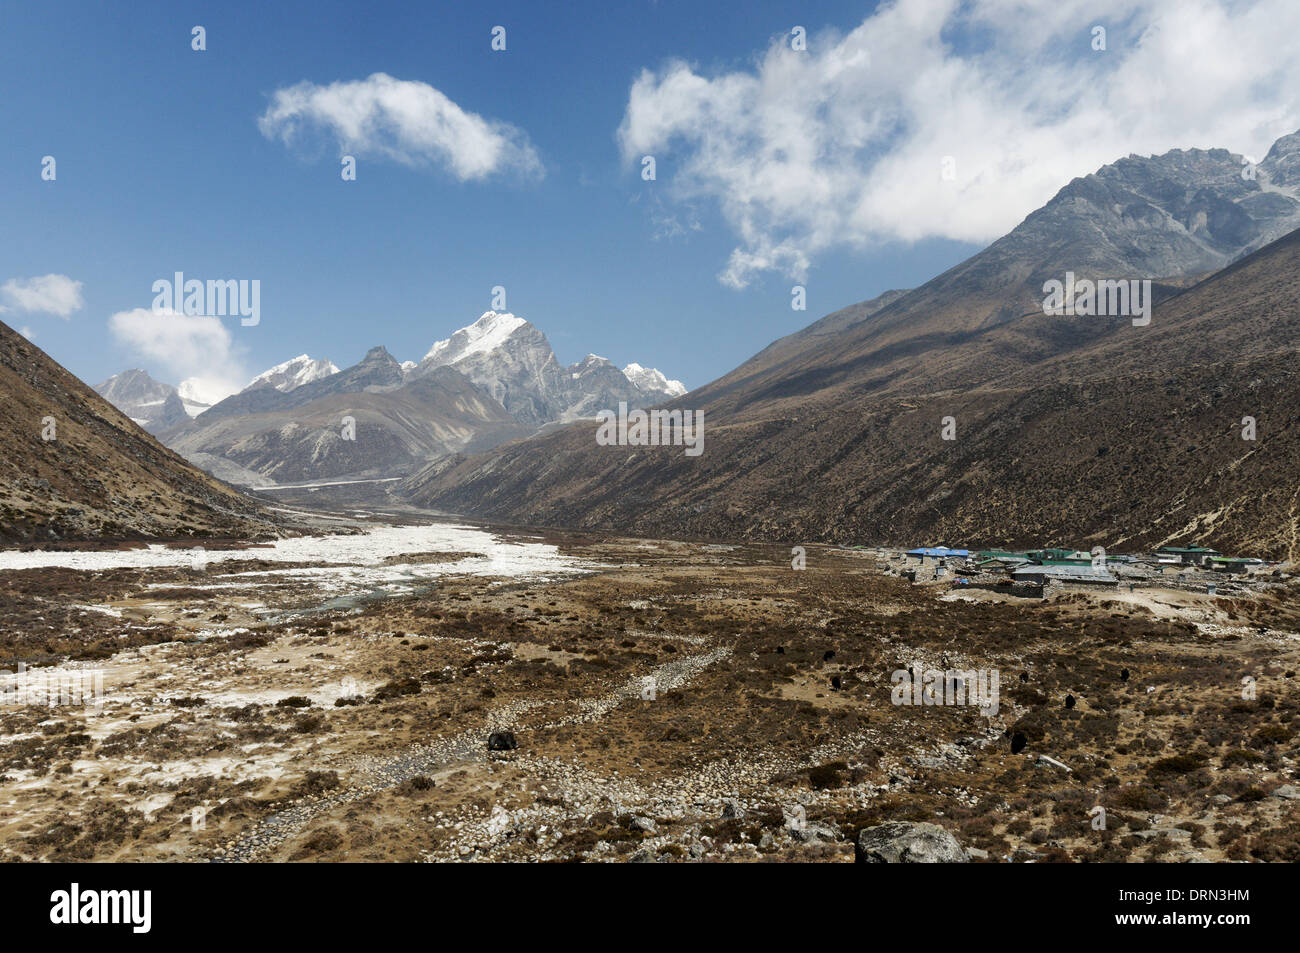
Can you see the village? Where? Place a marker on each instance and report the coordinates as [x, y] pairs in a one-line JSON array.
[[1034, 573]]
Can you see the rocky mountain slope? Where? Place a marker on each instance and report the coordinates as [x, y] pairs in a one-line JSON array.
[[161, 408], [1068, 429], [364, 422], [1175, 217], [375, 373], [98, 474]]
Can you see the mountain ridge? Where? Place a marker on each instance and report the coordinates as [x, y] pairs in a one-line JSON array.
[[495, 380], [973, 337]]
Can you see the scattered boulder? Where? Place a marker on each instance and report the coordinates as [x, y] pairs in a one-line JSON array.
[[412, 787], [813, 832], [903, 842], [397, 688], [1287, 792], [502, 741], [731, 809], [1173, 833], [640, 823]]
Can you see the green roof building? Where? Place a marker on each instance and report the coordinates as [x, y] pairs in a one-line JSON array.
[[1189, 555]]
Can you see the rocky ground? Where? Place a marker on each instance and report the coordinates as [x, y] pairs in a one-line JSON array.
[[678, 701]]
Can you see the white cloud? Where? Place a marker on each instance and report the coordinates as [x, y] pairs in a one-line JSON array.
[[196, 349], [842, 145], [27, 333], [403, 120], [48, 294]]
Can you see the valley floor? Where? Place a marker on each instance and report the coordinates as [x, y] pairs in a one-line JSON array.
[[668, 700]]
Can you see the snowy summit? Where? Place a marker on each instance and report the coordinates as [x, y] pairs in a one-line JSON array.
[[485, 335], [647, 378], [294, 373]]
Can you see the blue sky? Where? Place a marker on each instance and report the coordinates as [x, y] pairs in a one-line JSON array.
[[163, 166]]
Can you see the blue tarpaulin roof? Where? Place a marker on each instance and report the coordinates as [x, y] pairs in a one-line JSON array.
[[937, 551]]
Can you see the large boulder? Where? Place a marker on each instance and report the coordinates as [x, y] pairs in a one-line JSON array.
[[812, 832], [901, 842]]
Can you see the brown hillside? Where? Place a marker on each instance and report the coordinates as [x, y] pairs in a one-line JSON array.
[[101, 475], [1071, 430]]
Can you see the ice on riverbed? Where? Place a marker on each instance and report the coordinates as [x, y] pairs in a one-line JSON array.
[[342, 561], [106, 610]]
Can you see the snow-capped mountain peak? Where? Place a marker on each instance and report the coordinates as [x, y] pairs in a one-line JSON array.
[[587, 364], [485, 335], [155, 406], [648, 378], [512, 361], [294, 373], [192, 399]]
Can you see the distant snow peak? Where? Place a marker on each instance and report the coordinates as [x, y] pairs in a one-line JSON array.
[[485, 335], [150, 403], [294, 373], [206, 391], [192, 390], [588, 363], [511, 360], [648, 378]]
